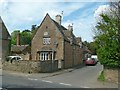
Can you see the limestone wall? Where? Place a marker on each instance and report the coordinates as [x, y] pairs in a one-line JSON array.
[[27, 66], [111, 75]]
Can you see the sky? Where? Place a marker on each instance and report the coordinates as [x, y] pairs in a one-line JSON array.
[[20, 15]]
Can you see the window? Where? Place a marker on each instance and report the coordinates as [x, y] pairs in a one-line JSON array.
[[44, 56], [46, 41], [45, 33]]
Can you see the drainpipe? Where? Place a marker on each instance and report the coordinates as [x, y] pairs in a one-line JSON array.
[[63, 53], [73, 54]]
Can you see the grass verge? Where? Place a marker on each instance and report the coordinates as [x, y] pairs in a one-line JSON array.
[[101, 76]]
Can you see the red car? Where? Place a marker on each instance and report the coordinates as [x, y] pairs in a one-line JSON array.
[[90, 61]]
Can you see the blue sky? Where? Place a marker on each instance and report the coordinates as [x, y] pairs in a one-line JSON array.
[[20, 15]]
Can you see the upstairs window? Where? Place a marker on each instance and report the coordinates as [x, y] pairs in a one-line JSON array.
[[46, 34], [46, 41]]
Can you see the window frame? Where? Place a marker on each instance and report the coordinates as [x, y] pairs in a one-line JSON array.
[[46, 40]]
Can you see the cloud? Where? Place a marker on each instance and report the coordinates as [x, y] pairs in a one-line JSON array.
[[83, 22], [16, 14], [61, 0], [21, 15], [82, 27], [103, 9]]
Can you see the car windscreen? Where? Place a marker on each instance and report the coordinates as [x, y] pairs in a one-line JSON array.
[[93, 58]]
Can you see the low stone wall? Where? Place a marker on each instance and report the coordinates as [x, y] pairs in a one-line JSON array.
[[27, 66], [49, 66], [111, 75]]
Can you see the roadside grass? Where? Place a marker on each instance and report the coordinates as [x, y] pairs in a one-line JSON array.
[[101, 77]]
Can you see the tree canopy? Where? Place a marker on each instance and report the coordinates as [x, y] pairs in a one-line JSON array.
[[14, 36], [107, 40], [25, 36], [91, 46]]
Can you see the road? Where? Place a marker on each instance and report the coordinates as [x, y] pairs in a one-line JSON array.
[[10, 81], [85, 77]]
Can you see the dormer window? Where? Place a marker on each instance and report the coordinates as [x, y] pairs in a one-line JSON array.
[[46, 41]]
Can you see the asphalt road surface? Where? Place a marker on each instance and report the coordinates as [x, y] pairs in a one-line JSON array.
[[9, 81]]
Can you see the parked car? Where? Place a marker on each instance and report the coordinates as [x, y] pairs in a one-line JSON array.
[[95, 57], [90, 61], [12, 58]]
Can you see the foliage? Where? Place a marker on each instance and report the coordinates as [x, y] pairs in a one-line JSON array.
[[25, 35], [34, 30], [14, 36], [107, 40], [101, 76], [91, 46]]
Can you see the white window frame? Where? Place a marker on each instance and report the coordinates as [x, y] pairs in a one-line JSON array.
[[46, 41], [44, 56]]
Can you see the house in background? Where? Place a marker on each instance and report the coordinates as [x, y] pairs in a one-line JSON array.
[[5, 39], [21, 50], [54, 42]]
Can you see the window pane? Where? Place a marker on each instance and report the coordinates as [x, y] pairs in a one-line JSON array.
[[46, 40]]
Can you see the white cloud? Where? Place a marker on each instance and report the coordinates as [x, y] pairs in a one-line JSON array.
[[83, 24], [21, 15], [82, 27], [28, 13], [61, 0], [103, 9]]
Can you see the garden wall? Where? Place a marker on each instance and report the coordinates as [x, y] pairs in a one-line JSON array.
[[33, 66]]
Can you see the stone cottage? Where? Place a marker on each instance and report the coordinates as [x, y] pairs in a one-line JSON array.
[[5, 39], [53, 41], [21, 50]]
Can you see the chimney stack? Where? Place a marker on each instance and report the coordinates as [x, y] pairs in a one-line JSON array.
[[58, 19], [18, 39], [70, 28]]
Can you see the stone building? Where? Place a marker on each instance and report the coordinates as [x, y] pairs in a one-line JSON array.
[[53, 41], [21, 50], [4, 41]]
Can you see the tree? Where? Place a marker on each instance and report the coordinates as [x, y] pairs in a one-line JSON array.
[[26, 37], [91, 46], [34, 30], [86, 44], [107, 40], [14, 36]]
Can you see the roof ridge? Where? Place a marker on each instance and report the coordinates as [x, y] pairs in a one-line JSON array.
[[59, 24]]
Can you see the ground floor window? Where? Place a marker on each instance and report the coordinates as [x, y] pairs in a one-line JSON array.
[[43, 56]]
